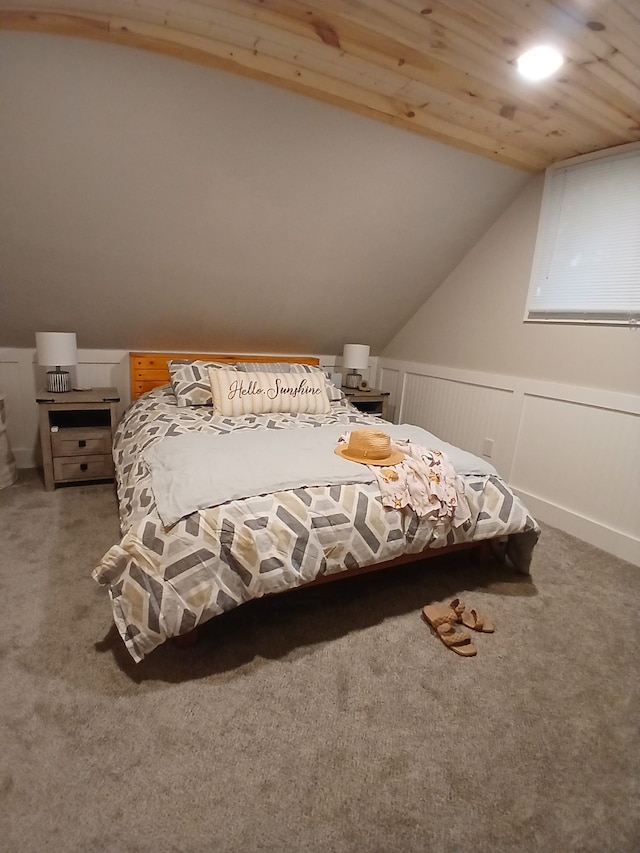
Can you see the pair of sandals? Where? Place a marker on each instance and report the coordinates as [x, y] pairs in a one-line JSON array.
[[442, 617]]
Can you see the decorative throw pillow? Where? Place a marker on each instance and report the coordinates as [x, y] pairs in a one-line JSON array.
[[190, 380], [334, 393], [238, 393]]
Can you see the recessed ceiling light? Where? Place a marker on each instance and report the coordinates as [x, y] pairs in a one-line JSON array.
[[539, 62]]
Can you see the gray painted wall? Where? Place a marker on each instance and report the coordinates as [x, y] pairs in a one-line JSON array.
[[148, 203], [474, 320]]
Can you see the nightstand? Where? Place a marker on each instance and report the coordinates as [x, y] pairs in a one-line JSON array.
[[76, 432], [372, 402]]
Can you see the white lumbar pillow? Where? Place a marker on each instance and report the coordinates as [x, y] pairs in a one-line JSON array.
[[243, 393]]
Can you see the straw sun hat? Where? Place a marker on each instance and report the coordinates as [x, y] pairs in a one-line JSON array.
[[371, 447]]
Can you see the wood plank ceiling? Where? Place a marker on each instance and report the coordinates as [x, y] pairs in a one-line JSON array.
[[442, 68]]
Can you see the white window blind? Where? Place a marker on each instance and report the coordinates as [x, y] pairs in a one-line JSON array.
[[586, 266]]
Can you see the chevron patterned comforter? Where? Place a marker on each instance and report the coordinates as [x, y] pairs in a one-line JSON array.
[[165, 581]]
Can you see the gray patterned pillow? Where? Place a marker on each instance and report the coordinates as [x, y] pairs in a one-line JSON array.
[[334, 394], [190, 380]]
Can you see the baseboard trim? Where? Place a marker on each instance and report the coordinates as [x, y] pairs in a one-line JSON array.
[[613, 541]]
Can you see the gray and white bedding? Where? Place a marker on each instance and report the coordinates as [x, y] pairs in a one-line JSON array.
[[165, 579]]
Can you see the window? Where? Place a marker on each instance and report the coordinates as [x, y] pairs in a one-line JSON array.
[[586, 267]]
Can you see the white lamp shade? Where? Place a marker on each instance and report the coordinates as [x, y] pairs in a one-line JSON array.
[[56, 348], [355, 356]]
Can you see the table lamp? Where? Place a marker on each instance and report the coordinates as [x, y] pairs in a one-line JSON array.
[[355, 357], [56, 349]]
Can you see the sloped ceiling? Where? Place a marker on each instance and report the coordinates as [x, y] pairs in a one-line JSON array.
[[151, 203]]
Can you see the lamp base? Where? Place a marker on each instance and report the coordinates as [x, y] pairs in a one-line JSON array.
[[352, 380], [58, 381]]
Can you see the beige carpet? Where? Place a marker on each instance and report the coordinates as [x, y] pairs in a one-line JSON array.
[[324, 720]]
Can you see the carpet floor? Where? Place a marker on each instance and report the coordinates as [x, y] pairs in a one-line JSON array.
[[327, 720]]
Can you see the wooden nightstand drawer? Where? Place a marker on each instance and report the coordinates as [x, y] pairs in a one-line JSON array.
[[67, 468], [81, 441]]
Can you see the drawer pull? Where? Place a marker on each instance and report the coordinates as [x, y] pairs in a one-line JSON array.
[[82, 443], [83, 466]]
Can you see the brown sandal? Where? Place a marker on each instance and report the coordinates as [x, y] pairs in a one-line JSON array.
[[439, 618], [471, 618]]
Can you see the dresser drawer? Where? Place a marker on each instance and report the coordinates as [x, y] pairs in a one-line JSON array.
[[67, 468], [81, 441]]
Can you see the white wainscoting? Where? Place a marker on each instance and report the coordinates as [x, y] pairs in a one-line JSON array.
[[571, 453], [21, 378]]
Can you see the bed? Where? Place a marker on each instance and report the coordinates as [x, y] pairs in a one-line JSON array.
[[184, 559]]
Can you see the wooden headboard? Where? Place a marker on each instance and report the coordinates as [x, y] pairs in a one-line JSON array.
[[150, 369]]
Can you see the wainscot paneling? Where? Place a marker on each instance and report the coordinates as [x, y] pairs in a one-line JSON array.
[[21, 378], [10, 387], [571, 453], [461, 413]]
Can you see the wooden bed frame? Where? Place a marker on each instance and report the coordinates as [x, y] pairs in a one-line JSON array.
[[149, 370]]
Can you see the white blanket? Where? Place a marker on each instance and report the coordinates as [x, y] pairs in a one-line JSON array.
[[198, 470]]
